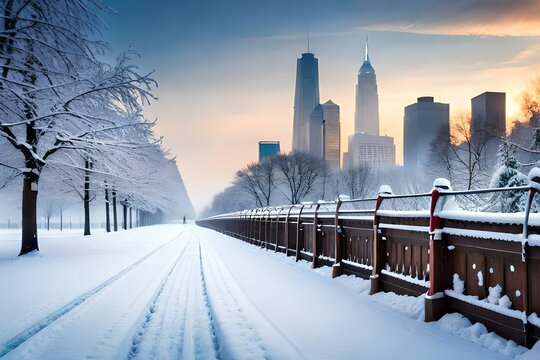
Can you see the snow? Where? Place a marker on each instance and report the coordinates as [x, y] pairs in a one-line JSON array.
[[503, 307], [505, 302], [482, 234], [442, 183], [355, 217], [352, 263], [494, 294], [405, 213], [404, 227], [460, 326], [534, 173], [497, 218], [408, 279], [385, 190], [459, 285], [534, 319], [179, 291], [480, 276], [533, 354], [534, 240]]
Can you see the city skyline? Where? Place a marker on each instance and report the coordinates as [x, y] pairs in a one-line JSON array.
[[415, 57]]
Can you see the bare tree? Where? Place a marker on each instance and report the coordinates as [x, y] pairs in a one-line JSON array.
[[357, 181], [259, 180], [464, 160], [440, 161], [300, 173]]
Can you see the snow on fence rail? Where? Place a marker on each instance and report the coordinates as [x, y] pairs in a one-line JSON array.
[[483, 265]]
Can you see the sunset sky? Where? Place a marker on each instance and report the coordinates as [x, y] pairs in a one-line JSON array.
[[226, 69]]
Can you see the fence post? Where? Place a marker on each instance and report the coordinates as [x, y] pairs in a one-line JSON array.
[[315, 236], [266, 226], [377, 242], [298, 232], [534, 182], [287, 232], [277, 228], [434, 302], [259, 236], [336, 268]]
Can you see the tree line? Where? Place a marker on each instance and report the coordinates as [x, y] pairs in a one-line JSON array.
[[71, 121]]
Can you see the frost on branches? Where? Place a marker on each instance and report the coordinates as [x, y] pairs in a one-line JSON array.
[[65, 110]]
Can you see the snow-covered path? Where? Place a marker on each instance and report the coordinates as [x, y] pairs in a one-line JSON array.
[[183, 292]]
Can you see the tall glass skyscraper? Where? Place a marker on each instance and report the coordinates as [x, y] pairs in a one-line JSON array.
[[306, 98], [366, 116], [366, 146]]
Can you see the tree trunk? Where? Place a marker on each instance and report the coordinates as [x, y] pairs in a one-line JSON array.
[[87, 165], [107, 212], [124, 210], [48, 222], [61, 220], [29, 214], [130, 218], [115, 216]]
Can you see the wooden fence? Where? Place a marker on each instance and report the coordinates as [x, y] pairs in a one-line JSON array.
[[483, 265]]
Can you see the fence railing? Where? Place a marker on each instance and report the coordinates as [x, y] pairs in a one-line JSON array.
[[483, 265]]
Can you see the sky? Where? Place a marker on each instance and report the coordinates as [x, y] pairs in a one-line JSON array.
[[226, 69]]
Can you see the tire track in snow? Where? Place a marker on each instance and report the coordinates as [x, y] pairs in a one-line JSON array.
[[236, 336], [296, 349], [178, 325], [29, 332], [152, 309]]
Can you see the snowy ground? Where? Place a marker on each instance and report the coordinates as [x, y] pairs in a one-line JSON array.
[[183, 292]]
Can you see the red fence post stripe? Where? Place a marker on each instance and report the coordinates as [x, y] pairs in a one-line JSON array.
[[435, 302]]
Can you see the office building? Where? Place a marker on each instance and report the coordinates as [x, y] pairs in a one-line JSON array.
[[325, 134], [370, 150], [424, 121], [488, 114], [268, 148]]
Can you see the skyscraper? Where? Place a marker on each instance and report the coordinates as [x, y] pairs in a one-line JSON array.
[[488, 124], [305, 99], [366, 147], [325, 134], [488, 112], [424, 121], [366, 116], [332, 135]]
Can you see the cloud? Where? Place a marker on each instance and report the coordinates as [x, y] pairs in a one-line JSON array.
[[458, 17], [530, 55]]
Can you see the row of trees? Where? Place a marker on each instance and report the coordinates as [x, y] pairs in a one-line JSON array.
[[296, 177], [72, 121]]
